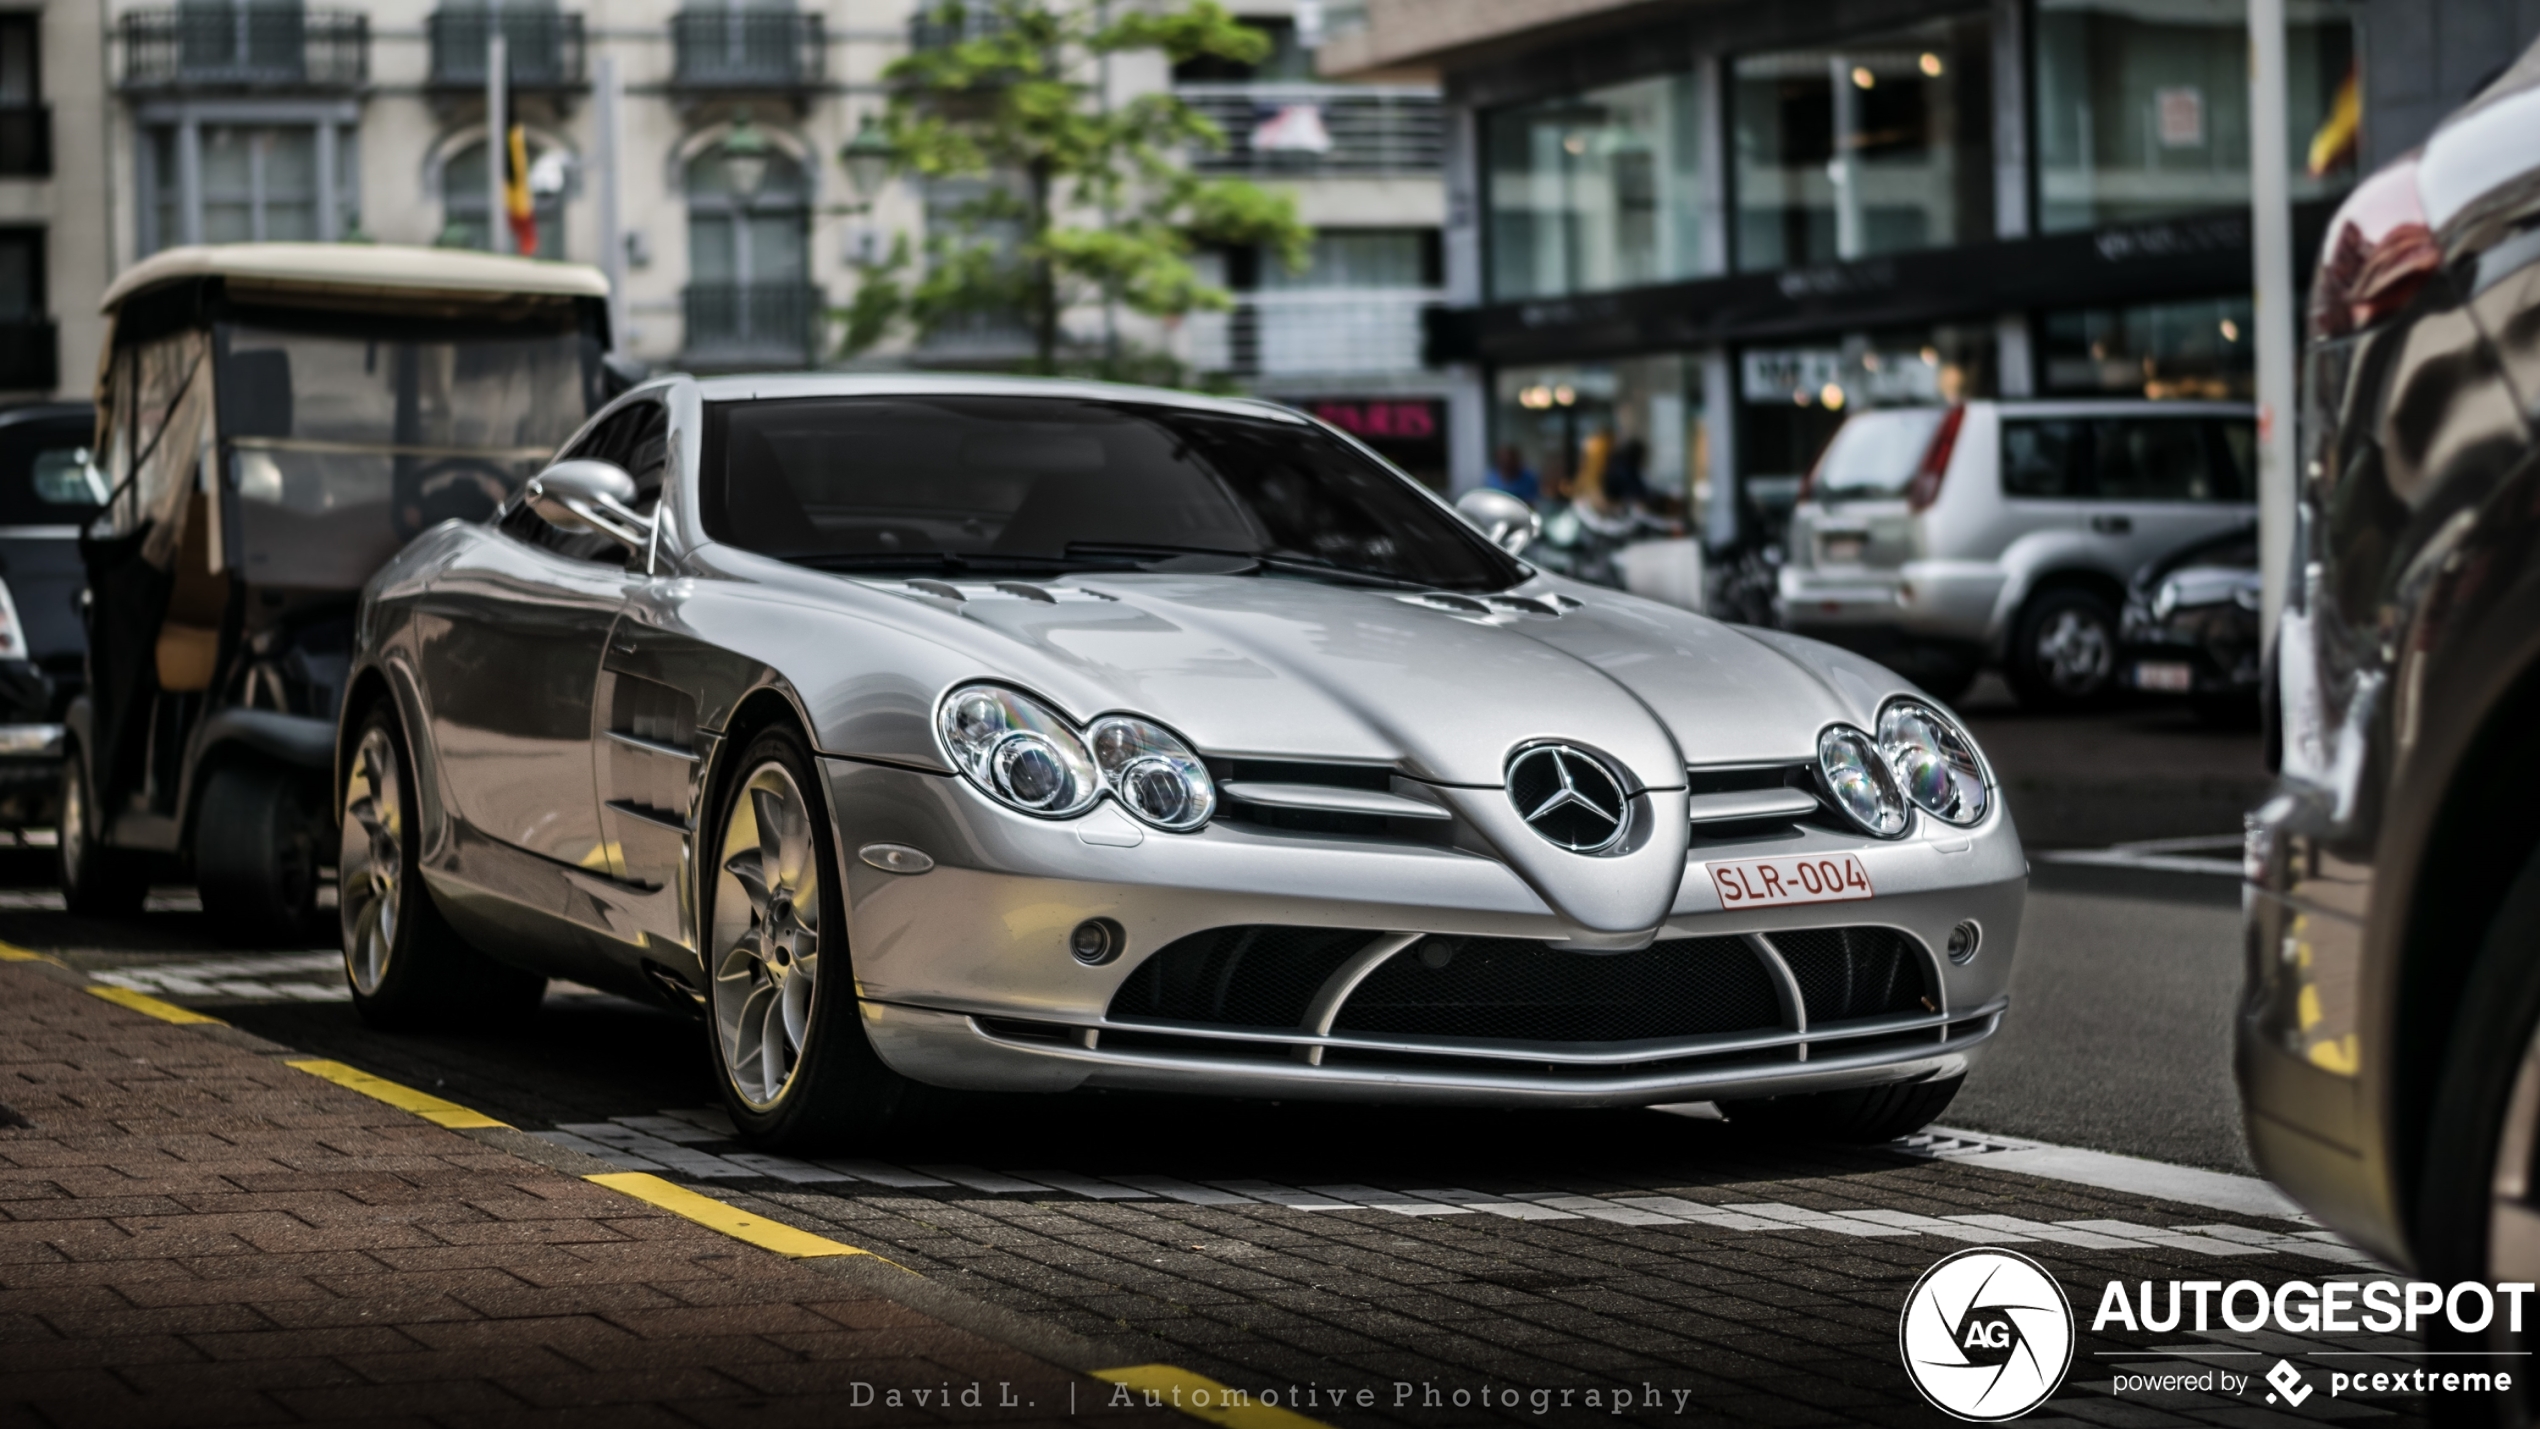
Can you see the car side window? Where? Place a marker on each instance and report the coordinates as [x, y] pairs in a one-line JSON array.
[[2152, 459], [646, 453], [2235, 448], [2046, 459], [47, 477]]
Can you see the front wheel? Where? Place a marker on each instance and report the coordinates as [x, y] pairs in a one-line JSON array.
[[2064, 650], [1859, 1114], [407, 966], [797, 1070], [98, 880]]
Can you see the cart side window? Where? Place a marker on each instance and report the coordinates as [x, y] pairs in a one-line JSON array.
[[159, 400], [344, 447]]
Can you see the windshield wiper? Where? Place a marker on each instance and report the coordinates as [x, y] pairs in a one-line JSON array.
[[1156, 557]]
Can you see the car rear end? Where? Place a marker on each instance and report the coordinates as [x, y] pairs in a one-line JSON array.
[[1871, 565], [49, 489]]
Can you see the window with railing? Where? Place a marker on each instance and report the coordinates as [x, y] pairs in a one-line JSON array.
[[1275, 127], [542, 47], [751, 300], [26, 129], [1354, 308], [736, 46], [244, 44]]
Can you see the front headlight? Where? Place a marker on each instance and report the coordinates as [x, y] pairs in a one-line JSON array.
[[1154, 775], [1860, 783], [1934, 761], [1022, 754]]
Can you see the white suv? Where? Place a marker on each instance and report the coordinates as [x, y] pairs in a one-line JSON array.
[[1939, 540]]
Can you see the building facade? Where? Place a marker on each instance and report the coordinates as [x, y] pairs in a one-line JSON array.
[[1694, 235], [739, 225]]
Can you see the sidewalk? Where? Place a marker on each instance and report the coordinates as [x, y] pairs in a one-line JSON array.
[[194, 1233]]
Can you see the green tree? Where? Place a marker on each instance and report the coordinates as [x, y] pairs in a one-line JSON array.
[[1078, 201]]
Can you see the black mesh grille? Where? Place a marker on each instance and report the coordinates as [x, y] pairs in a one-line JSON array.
[[1854, 972], [1259, 975], [1504, 988]]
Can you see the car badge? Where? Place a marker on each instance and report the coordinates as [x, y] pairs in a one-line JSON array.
[[1570, 797]]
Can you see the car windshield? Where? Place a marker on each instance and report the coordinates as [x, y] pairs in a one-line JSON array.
[[1875, 454], [1021, 482], [345, 446]]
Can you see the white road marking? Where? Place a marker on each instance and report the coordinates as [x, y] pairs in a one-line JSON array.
[[271, 977], [1183, 1191], [1496, 1205], [2166, 1239], [882, 1173], [785, 1168], [1288, 1196], [1089, 1187], [2188, 1185], [2156, 855], [978, 1179], [1372, 1198]]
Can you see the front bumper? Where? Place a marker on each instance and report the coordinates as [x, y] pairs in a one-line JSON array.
[[966, 978]]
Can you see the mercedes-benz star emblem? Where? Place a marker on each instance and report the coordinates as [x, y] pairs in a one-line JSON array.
[[1570, 797]]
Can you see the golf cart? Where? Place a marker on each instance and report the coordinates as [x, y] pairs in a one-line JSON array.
[[274, 421]]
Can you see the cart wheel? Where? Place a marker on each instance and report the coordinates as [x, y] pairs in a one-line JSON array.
[[98, 881], [255, 857], [1862, 1114], [406, 965]]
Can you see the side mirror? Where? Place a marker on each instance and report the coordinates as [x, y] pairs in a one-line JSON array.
[[1510, 524], [586, 495]]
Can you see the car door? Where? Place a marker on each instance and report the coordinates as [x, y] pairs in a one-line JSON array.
[[2160, 482], [511, 635]]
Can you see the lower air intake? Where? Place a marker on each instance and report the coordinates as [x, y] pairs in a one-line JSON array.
[[1507, 989], [1855, 972]]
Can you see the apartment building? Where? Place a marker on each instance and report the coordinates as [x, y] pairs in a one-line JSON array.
[[1706, 230], [128, 126]]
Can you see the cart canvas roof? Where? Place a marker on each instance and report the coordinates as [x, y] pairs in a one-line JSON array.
[[356, 268]]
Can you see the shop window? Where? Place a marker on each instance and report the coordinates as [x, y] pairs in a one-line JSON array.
[[1598, 191], [1617, 434], [1792, 400], [2191, 349], [2143, 106], [1875, 145]]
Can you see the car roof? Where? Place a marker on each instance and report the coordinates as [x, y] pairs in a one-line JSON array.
[[2090, 406], [775, 386], [357, 268]]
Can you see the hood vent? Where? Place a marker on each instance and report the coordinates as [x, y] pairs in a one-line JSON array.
[[1453, 604]]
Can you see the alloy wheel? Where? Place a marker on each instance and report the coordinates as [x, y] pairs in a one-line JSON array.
[[2075, 653], [370, 861], [2513, 1213], [766, 935]]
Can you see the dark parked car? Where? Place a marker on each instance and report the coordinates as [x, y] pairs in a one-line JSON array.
[[2388, 1053], [49, 488], [2191, 626]]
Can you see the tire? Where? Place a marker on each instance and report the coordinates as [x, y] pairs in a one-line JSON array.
[[782, 1020], [2482, 1164], [97, 881], [256, 857], [1861, 1114], [407, 967], [2064, 650]]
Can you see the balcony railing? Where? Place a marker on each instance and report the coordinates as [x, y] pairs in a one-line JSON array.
[[753, 324], [542, 49], [937, 27], [29, 356], [978, 339], [748, 49], [1316, 333], [26, 141], [242, 47], [1320, 128]]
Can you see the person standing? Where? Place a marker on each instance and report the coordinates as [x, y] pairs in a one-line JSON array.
[[1511, 474]]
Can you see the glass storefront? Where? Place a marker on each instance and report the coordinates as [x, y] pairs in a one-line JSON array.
[[1616, 433], [1791, 399], [1596, 191], [2201, 348], [1874, 145], [2143, 106]]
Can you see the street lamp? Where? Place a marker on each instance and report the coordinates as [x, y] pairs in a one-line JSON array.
[[745, 158], [868, 157]]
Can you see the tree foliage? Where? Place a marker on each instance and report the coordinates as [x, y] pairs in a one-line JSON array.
[[1074, 201]]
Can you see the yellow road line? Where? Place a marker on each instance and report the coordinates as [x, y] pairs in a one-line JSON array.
[[11, 953], [423, 1104], [1172, 1387], [147, 1005], [715, 1215]]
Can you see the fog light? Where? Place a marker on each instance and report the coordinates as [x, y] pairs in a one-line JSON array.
[[1096, 941], [1963, 942]]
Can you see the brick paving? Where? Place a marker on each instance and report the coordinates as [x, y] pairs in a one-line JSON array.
[[192, 1233]]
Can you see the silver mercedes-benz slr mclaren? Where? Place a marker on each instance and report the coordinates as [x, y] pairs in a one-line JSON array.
[[1027, 736]]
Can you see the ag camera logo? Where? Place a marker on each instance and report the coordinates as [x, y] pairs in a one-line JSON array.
[[1986, 1335]]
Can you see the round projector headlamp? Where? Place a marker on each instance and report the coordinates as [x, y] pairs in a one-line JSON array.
[[1019, 751], [1859, 782], [1934, 761], [1153, 774]]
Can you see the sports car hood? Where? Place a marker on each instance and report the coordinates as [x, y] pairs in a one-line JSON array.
[[1444, 688]]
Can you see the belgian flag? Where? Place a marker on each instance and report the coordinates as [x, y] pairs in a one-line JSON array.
[[520, 209]]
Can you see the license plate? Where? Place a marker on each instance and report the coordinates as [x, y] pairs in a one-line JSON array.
[[1813, 878], [2165, 675], [1841, 550]]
